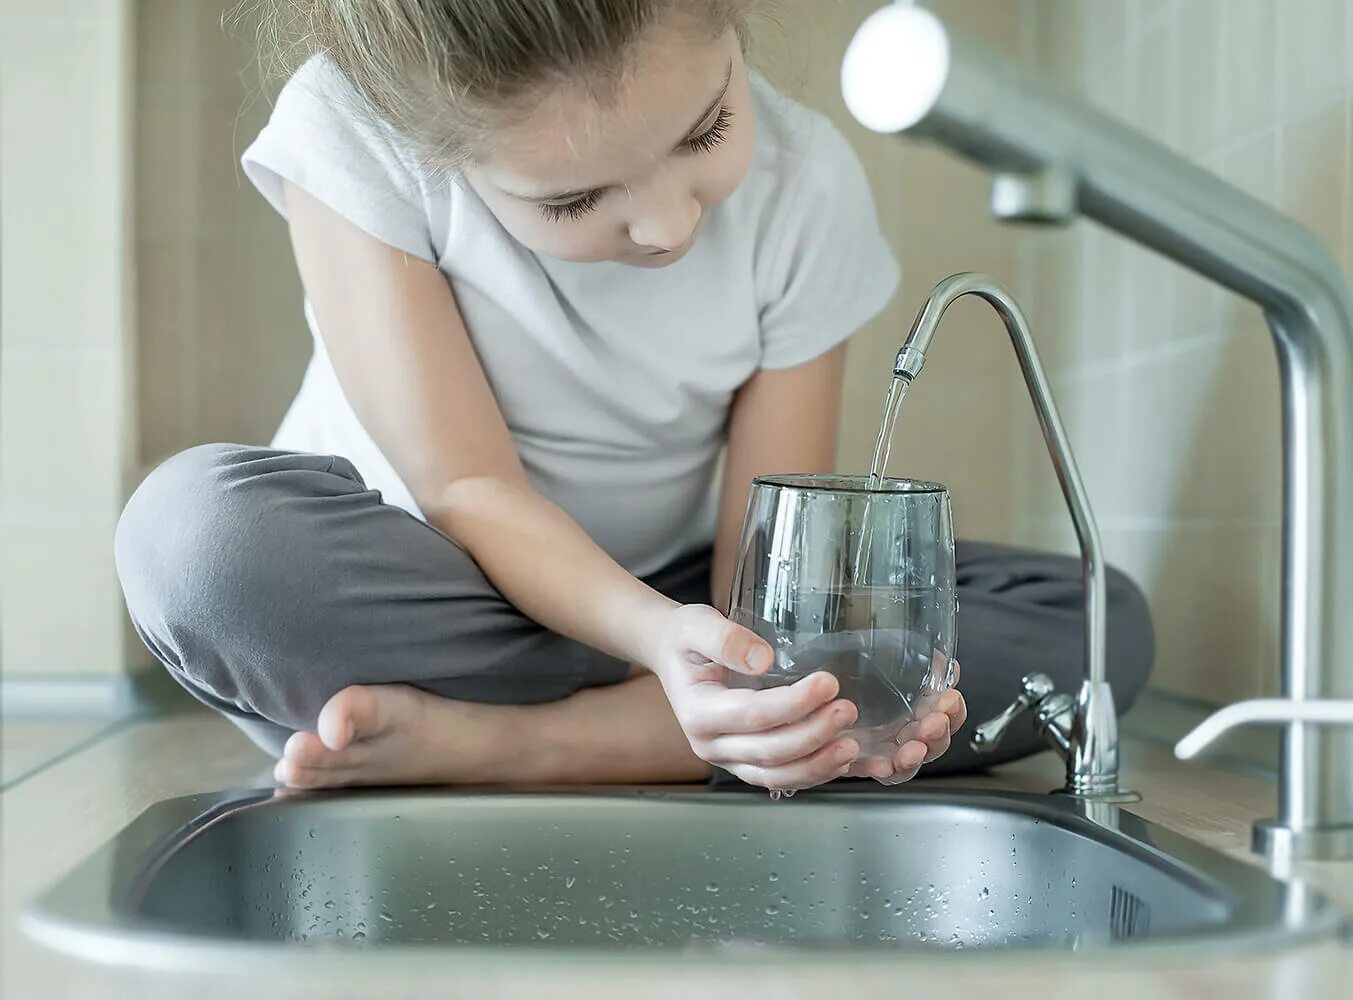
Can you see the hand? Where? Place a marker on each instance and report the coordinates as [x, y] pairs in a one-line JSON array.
[[786, 737], [926, 737]]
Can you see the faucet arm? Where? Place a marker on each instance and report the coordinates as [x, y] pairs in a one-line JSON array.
[[906, 71], [1090, 741], [911, 357]]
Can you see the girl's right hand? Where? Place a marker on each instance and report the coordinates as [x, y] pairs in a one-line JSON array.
[[786, 737]]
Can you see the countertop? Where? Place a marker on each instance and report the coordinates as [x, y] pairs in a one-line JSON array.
[[55, 817]]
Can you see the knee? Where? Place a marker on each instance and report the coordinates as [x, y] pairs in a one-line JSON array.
[[1130, 638], [211, 552], [173, 523], [208, 522]]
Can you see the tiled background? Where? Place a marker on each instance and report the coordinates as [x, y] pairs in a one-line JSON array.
[[1168, 385], [67, 317]]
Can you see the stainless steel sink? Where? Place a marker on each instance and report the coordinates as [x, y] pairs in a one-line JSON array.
[[445, 875]]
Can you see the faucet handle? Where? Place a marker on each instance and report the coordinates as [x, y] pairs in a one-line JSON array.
[[1271, 710], [1034, 688]]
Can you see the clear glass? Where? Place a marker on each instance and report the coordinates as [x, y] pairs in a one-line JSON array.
[[857, 580]]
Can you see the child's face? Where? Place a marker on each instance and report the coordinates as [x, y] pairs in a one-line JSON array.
[[630, 178]]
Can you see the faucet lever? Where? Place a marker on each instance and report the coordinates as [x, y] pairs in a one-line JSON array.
[[1332, 840], [1327, 711], [1034, 688]]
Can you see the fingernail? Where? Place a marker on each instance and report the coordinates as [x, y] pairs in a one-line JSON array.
[[759, 658]]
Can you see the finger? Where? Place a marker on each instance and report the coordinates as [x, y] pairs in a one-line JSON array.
[[951, 703], [713, 636], [906, 762], [935, 736], [714, 710], [784, 744], [878, 768], [929, 728], [957, 672], [830, 762]]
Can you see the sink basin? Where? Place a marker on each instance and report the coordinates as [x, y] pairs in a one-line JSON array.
[[443, 875]]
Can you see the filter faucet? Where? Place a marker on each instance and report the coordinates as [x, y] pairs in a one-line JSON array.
[[1084, 732], [1055, 157]]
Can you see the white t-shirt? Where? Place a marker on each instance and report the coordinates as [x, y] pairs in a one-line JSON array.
[[614, 381]]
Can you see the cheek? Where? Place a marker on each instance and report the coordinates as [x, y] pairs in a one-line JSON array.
[[586, 239], [728, 166]]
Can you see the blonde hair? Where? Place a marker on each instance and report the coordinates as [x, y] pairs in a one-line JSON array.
[[442, 72]]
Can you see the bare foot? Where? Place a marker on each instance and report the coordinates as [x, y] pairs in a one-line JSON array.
[[393, 734]]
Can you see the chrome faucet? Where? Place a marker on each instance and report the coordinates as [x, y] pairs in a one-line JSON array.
[[1054, 156], [1083, 731]]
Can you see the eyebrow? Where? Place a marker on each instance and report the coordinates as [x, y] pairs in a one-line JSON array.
[[710, 108]]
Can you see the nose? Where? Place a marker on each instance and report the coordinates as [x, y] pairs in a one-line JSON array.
[[665, 220]]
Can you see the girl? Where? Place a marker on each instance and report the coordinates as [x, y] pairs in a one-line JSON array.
[[557, 257]]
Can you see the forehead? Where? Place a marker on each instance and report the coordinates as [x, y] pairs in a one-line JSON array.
[[576, 137]]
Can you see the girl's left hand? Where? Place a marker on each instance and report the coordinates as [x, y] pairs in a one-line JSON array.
[[921, 740]]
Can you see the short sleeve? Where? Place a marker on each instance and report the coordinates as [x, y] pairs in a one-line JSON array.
[[825, 269], [325, 139]]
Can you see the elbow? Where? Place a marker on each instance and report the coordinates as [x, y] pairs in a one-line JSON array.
[[467, 507]]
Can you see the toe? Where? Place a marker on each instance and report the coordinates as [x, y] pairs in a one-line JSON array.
[[351, 715], [307, 750], [294, 776]]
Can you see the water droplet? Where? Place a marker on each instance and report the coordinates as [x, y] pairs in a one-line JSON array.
[[359, 936], [772, 909], [986, 891], [312, 833], [568, 882], [328, 904], [773, 877]]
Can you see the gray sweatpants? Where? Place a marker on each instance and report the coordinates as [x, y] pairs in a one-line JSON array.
[[265, 581]]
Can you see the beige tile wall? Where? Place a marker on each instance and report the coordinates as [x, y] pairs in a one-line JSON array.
[[67, 318], [1169, 385], [932, 208], [223, 341]]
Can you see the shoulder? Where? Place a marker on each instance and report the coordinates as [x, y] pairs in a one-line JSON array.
[[321, 105], [325, 138]]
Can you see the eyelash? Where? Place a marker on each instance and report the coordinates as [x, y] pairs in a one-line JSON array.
[[574, 209], [713, 135], [702, 143]]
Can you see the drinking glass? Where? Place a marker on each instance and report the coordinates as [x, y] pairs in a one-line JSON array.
[[856, 577]]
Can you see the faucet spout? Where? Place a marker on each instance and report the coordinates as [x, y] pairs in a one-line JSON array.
[[905, 71], [1091, 745]]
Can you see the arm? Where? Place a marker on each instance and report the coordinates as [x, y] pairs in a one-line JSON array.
[[408, 367], [782, 420], [406, 364]]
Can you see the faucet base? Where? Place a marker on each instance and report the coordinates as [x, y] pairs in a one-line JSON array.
[[1283, 843], [1115, 797]]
